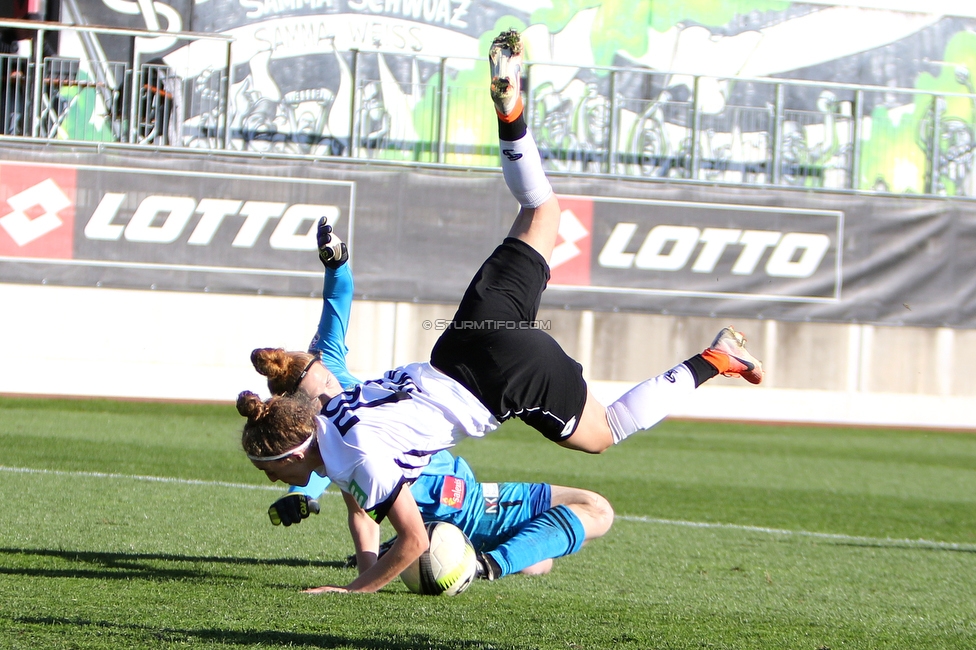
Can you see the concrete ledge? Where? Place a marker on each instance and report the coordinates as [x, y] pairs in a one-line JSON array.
[[63, 341]]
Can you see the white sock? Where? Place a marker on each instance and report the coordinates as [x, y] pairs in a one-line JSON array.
[[524, 175], [649, 402]]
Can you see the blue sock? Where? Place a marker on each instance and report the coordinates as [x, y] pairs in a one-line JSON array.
[[554, 533]]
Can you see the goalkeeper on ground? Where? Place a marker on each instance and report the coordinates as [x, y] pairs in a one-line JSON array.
[[515, 527]]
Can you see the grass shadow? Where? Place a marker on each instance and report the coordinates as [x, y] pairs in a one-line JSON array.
[[263, 638], [125, 566]]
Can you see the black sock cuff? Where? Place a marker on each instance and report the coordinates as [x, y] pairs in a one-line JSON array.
[[700, 369], [512, 131]]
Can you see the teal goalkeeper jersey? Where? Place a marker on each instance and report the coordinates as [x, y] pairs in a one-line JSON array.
[[488, 513]]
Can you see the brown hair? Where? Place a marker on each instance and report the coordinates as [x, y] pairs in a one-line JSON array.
[[283, 369], [277, 425]]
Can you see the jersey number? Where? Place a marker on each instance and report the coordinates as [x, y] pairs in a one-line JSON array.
[[341, 409]]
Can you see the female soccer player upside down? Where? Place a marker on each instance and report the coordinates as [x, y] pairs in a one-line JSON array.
[[514, 527], [376, 438]]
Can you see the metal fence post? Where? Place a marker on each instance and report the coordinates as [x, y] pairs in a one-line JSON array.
[[38, 80], [855, 170], [134, 96], [353, 105], [225, 95], [610, 165], [695, 131], [442, 111], [934, 145], [776, 159]]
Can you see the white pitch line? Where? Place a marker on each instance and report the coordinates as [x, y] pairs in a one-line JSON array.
[[136, 477], [880, 541], [834, 537]]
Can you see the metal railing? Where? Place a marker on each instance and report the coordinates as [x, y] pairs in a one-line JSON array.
[[422, 110], [89, 98]]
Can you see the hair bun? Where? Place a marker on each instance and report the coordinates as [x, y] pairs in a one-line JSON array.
[[270, 362], [251, 406]]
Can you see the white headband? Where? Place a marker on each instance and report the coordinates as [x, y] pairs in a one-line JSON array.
[[302, 447]]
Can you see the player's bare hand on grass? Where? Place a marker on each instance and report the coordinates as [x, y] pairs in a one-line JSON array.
[[328, 589]]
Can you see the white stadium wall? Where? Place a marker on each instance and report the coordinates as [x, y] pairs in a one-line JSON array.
[[96, 342], [898, 233]]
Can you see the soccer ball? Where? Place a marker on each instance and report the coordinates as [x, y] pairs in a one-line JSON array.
[[447, 568]]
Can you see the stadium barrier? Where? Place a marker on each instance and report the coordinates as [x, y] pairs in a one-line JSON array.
[[180, 222], [202, 95]]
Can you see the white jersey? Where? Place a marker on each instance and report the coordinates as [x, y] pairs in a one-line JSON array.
[[378, 436]]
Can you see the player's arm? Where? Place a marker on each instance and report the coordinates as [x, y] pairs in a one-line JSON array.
[[330, 338], [411, 542], [337, 292], [329, 343], [315, 487], [365, 533]]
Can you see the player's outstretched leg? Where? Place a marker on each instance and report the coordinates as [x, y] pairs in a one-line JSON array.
[[729, 356], [651, 401], [538, 221]]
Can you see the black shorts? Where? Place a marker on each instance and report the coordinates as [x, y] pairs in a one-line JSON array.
[[497, 349]]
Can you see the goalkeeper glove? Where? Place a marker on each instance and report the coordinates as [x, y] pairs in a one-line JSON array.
[[332, 251], [292, 508]]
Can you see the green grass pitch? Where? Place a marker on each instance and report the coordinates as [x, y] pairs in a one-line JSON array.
[[128, 525]]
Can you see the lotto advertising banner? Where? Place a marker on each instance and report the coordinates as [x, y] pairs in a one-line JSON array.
[[192, 225], [696, 249], [164, 228], [734, 252]]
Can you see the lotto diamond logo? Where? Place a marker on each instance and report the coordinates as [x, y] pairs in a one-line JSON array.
[[48, 198], [38, 211], [570, 262]]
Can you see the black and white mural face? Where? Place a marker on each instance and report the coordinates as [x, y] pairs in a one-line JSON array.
[[400, 78]]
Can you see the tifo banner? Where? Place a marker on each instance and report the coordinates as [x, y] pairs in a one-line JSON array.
[[194, 224], [294, 78]]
